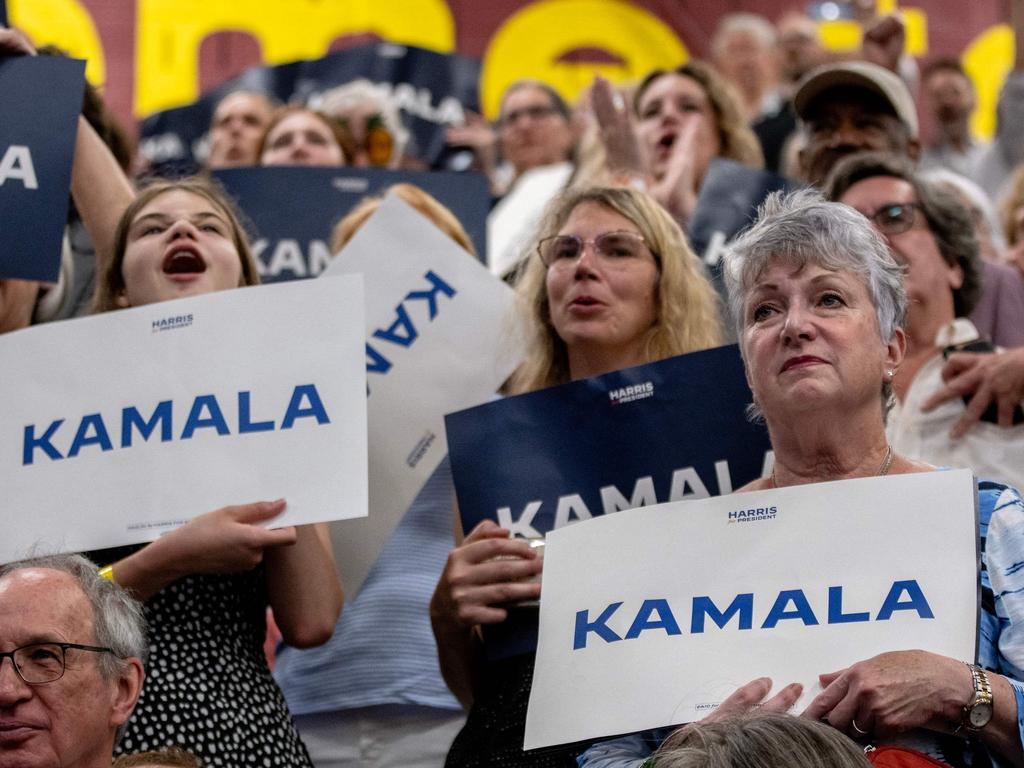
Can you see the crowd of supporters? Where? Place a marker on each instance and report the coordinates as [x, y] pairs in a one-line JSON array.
[[594, 208]]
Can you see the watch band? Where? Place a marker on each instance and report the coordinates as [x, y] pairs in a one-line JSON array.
[[978, 712]]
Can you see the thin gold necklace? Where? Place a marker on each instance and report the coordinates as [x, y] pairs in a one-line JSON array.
[[882, 470]]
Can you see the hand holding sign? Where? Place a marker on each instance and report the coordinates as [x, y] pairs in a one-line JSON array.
[[13, 43], [488, 570], [893, 693], [753, 694], [228, 540]]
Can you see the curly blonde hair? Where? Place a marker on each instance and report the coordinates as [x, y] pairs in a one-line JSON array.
[[687, 308]]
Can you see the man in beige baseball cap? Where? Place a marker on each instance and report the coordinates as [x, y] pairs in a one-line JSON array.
[[852, 106]]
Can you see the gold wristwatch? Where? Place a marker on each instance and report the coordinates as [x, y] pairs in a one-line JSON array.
[[978, 710]]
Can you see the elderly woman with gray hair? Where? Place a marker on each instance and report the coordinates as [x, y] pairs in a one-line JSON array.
[[819, 305]]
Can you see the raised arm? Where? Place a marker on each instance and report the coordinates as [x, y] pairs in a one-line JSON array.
[[100, 189]]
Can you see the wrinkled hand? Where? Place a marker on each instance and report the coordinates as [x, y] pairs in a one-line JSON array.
[[893, 693], [676, 190], [615, 121], [997, 376], [14, 43], [229, 540], [883, 41], [475, 584]]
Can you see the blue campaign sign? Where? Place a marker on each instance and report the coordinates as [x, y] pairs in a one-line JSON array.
[[293, 209], [41, 97], [431, 90], [666, 431]]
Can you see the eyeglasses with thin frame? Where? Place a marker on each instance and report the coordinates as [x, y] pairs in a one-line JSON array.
[[41, 663], [535, 112], [615, 248], [894, 218]]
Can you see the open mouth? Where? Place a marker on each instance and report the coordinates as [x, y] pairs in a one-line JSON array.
[[184, 261], [585, 301]]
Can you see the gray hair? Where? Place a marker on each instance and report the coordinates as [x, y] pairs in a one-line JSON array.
[[760, 740], [753, 23], [118, 620], [802, 228]]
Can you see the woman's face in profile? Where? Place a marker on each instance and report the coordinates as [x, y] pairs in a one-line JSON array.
[[668, 104], [301, 138], [180, 244]]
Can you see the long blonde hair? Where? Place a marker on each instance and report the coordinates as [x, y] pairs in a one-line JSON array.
[[687, 315]]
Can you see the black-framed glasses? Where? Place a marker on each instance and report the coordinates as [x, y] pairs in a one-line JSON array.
[[44, 662], [894, 218], [618, 247]]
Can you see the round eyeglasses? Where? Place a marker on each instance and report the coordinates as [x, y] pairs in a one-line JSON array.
[[894, 218], [44, 662], [617, 247]]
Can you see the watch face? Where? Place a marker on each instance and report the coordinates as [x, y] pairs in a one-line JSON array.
[[980, 714]]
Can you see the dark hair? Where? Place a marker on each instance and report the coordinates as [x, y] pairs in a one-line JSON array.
[[110, 282], [948, 219]]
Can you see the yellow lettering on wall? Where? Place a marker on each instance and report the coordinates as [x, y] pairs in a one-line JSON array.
[[169, 33], [64, 23], [529, 43], [987, 59]]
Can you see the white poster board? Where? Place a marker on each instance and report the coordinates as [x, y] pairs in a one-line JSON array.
[[440, 337], [651, 617], [120, 427]]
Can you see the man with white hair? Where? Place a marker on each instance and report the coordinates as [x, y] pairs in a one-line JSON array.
[[76, 644]]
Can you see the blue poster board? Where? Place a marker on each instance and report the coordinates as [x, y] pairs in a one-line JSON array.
[[41, 97], [659, 432], [666, 431], [430, 88], [292, 209]]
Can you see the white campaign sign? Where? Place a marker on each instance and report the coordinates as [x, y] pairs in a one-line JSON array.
[[120, 427], [439, 338], [650, 617]]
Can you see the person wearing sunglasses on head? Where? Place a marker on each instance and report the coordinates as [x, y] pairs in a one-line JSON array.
[[76, 645], [929, 232]]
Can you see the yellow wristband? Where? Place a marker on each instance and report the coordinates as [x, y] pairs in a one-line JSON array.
[[107, 572]]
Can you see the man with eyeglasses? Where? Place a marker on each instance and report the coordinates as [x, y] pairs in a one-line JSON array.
[[72, 647], [930, 232]]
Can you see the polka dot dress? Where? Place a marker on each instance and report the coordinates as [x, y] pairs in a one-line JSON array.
[[207, 687]]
